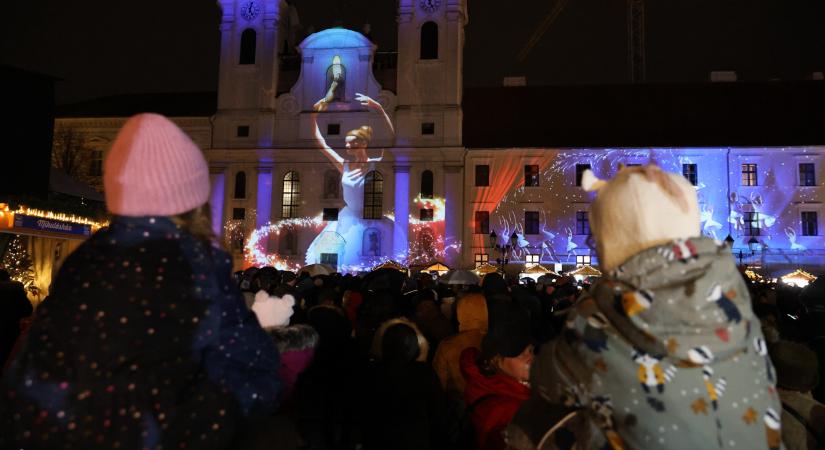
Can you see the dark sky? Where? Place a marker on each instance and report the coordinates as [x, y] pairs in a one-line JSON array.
[[110, 47]]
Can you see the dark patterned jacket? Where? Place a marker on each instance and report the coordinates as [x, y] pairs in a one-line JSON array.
[[145, 341]]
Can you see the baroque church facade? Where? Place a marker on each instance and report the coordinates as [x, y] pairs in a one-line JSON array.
[[344, 155]]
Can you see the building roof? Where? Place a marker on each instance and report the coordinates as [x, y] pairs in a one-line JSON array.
[[647, 115], [177, 104]]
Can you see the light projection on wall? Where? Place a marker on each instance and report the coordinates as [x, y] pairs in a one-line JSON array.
[[767, 213]]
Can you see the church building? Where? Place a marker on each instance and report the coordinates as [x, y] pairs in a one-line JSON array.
[[338, 153]]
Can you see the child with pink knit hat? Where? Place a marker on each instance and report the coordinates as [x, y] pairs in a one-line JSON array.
[[145, 341]]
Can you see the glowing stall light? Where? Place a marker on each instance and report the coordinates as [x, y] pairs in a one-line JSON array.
[[798, 278], [5, 213]]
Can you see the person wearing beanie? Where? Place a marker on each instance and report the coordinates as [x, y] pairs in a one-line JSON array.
[[797, 374], [497, 375], [472, 325], [404, 405], [145, 340], [664, 349]]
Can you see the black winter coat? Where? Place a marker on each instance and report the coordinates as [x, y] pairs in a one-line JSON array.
[[145, 341]]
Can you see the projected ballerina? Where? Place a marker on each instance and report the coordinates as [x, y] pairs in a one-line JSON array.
[[354, 169]]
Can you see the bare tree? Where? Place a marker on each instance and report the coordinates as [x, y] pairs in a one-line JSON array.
[[71, 154]]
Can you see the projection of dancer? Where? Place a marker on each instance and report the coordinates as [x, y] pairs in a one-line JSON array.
[[791, 233], [547, 243], [571, 246], [354, 168]]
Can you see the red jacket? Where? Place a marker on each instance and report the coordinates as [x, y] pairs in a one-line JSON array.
[[504, 395]]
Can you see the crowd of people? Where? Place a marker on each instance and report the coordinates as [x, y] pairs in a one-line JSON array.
[[148, 340]]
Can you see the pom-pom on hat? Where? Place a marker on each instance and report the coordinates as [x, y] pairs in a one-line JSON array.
[[273, 311], [154, 169]]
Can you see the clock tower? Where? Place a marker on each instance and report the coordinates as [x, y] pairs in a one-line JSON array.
[[430, 65], [248, 75]]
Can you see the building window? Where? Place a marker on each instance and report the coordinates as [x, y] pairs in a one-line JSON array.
[[371, 242], [248, 41], [689, 172], [427, 184], [330, 259], [481, 259], [582, 260], [482, 222], [531, 175], [425, 215], [330, 214], [332, 184], [807, 177], [373, 195], [427, 128], [751, 223], [482, 175], [291, 199], [238, 213], [582, 223], [580, 168], [240, 185], [809, 224], [531, 222], [242, 131], [532, 259], [288, 244], [429, 41], [749, 175], [333, 129], [96, 164]]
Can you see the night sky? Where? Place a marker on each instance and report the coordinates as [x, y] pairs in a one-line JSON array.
[[109, 47]]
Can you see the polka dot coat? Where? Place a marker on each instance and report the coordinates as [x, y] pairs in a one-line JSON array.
[[145, 342]]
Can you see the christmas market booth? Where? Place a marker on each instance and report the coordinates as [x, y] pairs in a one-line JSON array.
[[34, 243]]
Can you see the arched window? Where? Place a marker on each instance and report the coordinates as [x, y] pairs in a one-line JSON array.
[[371, 242], [373, 195], [288, 243], [240, 185], [248, 41], [427, 184], [338, 71], [332, 184], [291, 199], [429, 41]]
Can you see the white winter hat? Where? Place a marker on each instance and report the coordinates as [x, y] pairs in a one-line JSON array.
[[273, 311]]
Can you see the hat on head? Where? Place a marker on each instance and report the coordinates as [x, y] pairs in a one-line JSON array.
[[509, 330], [154, 168]]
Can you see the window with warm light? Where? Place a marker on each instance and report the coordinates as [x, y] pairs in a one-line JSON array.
[[481, 259], [291, 198], [532, 259], [582, 260], [749, 176], [373, 195]]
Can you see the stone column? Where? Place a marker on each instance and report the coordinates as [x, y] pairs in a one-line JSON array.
[[217, 198], [453, 206], [264, 196], [401, 229]]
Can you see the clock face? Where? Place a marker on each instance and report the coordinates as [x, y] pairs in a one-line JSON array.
[[430, 5], [250, 10]]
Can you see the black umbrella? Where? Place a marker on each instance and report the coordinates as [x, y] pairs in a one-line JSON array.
[[384, 279]]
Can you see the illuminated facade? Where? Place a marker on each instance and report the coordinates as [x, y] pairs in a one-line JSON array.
[[313, 160]]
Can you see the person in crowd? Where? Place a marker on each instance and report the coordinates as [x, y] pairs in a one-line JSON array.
[[430, 320], [145, 340], [803, 418], [247, 287], [664, 349], [472, 326], [404, 408], [16, 307], [497, 375]]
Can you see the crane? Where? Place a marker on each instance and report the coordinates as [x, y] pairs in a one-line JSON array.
[[635, 36]]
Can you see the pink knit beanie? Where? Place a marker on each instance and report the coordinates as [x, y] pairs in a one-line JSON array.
[[154, 169]]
